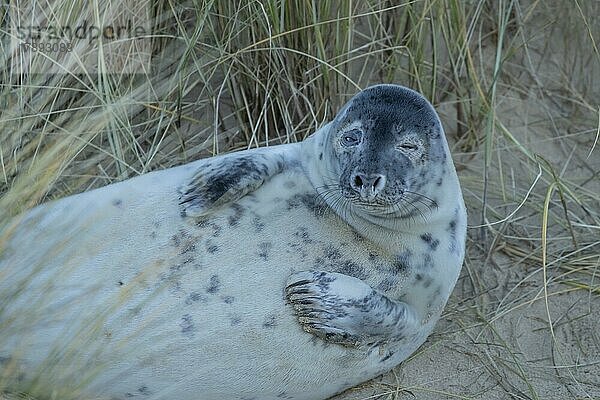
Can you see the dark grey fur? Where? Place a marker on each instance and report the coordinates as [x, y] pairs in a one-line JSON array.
[[226, 179], [400, 139]]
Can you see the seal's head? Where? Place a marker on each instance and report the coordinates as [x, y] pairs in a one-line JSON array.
[[391, 151]]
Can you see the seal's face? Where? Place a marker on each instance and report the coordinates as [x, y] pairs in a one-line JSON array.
[[390, 145]]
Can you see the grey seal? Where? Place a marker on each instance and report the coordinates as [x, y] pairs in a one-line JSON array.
[[287, 272]]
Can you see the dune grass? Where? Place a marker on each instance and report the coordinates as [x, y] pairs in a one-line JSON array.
[[514, 82]]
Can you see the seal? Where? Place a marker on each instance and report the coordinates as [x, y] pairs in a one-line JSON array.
[[287, 272]]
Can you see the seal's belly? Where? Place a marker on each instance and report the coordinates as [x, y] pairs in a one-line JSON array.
[[230, 319], [119, 286]]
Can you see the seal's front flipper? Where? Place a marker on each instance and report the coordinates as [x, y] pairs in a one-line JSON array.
[[228, 178], [345, 310]]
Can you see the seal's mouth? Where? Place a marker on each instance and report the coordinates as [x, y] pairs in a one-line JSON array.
[[394, 202], [403, 204], [379, 205], [366, 201]]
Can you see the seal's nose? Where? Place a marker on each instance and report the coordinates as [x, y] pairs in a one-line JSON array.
[[368, 186]]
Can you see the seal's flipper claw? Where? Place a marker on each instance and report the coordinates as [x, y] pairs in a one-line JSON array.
[[345, 310], [228, 178]]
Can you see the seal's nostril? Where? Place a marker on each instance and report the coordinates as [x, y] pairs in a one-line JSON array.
[[377, 182], [357, 181], [367, 185]]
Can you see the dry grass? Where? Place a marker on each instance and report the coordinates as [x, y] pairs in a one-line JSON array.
[[514, 81]]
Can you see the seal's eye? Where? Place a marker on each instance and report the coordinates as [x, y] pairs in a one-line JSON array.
[[408, 146], [351, 138]]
